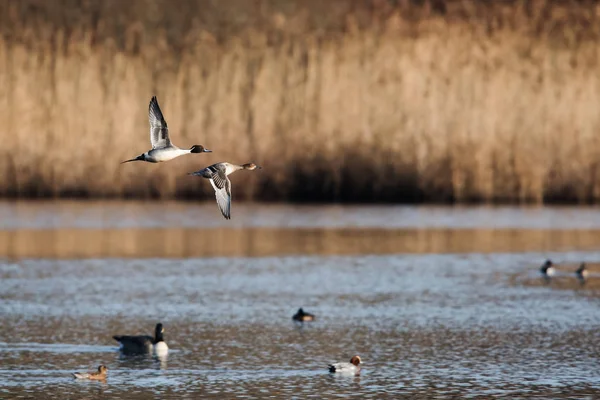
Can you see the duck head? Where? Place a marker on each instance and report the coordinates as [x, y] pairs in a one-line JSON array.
[[158, 333], [251, 166], [198, 148], [547, 264]]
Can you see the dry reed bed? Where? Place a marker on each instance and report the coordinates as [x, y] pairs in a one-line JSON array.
[[443, 111]]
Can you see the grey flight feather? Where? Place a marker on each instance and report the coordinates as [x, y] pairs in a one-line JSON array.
[[222, 186], [159, 133], [218, 176]]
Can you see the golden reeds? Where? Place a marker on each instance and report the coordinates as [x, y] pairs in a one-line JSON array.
[[390, 102]]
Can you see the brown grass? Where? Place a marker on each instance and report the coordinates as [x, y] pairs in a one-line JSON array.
[[338, 101]]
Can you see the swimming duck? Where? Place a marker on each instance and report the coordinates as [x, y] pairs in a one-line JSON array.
[[547, 269], [98, 375], [582, 271], [302, 316], [217, 174], [143, 343], [162, 148], [346, 368]]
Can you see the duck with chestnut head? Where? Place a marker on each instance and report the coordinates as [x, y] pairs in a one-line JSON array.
[[352, 367], [98, 375]]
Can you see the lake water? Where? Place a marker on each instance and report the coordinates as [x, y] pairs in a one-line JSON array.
[[439, 302]]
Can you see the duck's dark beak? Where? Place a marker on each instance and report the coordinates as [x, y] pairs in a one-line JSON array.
[[138, 158]]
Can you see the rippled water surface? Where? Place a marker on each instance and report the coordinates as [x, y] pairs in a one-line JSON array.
[[438, 302]]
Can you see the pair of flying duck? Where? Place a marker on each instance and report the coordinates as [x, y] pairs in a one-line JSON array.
[[164, 150]]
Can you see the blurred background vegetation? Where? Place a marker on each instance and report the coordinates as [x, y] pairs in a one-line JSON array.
[[338, 100]]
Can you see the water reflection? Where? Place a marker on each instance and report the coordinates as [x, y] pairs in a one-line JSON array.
[[434, 313], [185, 243]]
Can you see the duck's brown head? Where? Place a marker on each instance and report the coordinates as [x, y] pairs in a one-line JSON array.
[[102, 369], [198, 148], [251, 166], [355, 360]]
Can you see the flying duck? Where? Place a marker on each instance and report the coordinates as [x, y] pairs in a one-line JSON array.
[[217, 174], [162, 147]]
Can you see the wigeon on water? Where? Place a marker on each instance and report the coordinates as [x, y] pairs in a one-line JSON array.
[[162, 147], [98, 375], [217, 174], [302, 316], [143, 343], [352, 367]]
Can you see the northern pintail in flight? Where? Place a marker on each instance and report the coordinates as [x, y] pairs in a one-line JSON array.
[[351, 367], [217, 174], [547, 270], [98, 375], [143, 343], [162, 147], [302, 316]]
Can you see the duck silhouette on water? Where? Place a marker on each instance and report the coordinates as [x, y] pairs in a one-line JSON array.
[[144, 344], [547, 269], [582, 272], [302, 316]]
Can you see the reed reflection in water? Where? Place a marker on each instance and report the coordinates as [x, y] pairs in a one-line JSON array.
[[259, 242], [433, 312]]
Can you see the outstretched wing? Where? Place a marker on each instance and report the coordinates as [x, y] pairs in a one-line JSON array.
[[222, 186], [159, 133]]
